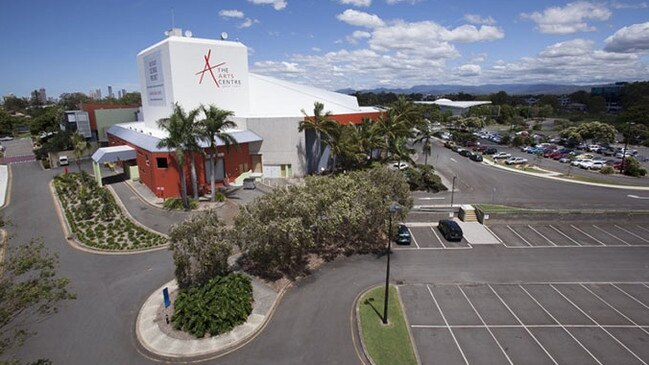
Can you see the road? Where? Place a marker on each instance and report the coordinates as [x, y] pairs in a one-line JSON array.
[[312, 324], [480, 183]]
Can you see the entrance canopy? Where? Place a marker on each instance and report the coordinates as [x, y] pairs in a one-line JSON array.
[[114, 153]]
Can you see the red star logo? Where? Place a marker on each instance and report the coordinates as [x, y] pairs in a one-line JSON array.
[[208, 68]]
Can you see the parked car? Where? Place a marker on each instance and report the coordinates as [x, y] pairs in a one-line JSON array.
[[400, 165], [564, 159], [593, 148], [585, 163], [501, 155], [490, 151], [515, 161], [63, 161], [456, 149], [465, 153], [577, 161], [480, 148], [403, 235], [476, 157], [450, 230], [6, 138]]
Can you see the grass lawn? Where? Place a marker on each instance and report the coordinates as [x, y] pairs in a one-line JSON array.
[[385, 344], [495, 208]]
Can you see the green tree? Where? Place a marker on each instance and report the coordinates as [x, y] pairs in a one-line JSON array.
[[177, 127], [320, 123], [425, 136], [80, 146], [48, 121], [73, 101], [133, 98], [211, 128], [500, 98], [30, 291], [201, 247], [15, 104], [596, 104]]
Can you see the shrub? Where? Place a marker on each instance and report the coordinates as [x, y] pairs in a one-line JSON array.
[[423, 177], [219, 196], [632, 167], [217, 307], [177, 204], [607, 170]]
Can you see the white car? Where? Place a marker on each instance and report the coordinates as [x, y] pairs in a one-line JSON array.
[[515, 161], [577, 161], [593, 148], [7, 138], [585, 163], [501, 155], [63, 161], [400, 165]]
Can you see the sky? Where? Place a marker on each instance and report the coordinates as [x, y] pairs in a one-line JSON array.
[[82, 45]]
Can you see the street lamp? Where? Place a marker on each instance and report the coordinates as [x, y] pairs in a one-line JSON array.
[[394, 208], [453, 191], [626, 145]]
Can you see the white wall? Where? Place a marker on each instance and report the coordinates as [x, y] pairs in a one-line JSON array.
[[282, 143]]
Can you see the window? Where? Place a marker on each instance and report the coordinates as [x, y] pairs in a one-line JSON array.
[[162, 162]]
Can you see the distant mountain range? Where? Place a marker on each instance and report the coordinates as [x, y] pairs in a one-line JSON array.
[[512, 89]]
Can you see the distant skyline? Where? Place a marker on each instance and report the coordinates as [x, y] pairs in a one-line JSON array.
[[86, 45]]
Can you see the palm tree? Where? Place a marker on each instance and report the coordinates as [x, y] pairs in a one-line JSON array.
[[392, 127], [212, 128], [370, 137], [178, 126], [425, 135], [321, 124], [80, 146]]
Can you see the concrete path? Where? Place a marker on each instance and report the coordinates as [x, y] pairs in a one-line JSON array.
[[477, 234], [157, 342], [4, 184]]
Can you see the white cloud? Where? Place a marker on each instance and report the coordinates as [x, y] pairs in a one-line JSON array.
[[570, 18], [361, 19], [248, 23], [316, 49], [358, 35], [622, 5], [631, 39], [281, 67], [231, 13], [358, 3], [575, 47], [277, 4], [477, 19], [468, 70]]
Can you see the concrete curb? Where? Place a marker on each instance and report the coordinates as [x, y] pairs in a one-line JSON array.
[[550, 176], [69, 236], [129, 216], [139, 196], [6, 192], [163, 347]]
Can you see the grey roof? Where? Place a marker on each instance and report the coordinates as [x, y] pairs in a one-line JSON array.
[[150, 142], [114, 153]]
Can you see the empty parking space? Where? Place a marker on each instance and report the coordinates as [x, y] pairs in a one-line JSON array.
[[571, 235], [428, 237], [539, 323]]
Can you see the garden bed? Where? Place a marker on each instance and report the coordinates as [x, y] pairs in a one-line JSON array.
[[95, 218]]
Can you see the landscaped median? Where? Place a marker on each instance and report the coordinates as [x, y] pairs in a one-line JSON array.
[[384, 343], [95, 219]]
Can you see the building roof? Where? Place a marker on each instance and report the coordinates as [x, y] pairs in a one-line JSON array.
[[113, 153], [148, 138], [454, 104]]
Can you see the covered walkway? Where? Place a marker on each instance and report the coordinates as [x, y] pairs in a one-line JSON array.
[[113, 154]]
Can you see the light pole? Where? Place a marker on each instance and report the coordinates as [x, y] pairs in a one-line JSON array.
[[394, 208], [453, 191], [626, 145]]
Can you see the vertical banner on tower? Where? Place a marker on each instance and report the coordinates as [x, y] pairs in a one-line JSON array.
[[155, 91]]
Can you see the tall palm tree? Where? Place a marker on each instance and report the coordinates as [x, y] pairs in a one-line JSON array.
[[392, 128], [425, 135], [211, 128], [370, 137], [80, 146], [178, 126], [320, 123]]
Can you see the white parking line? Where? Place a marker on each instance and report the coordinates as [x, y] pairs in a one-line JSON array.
[[413, 238], [485, 325], [612, 235], [430, 248], [436, 236], [642, 228], [454, 160], [593, 238], [560, 324], [563, 234], [540, 234], [476, 326], [519, 236], [493, 234], [631, 296], [615, 309], [523, 324], [631, 233], [447, 326], [603, 329]]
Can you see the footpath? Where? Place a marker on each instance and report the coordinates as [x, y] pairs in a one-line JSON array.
[[4, 190]]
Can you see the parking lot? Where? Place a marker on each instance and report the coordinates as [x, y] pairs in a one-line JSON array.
[[428, 237], [571, 235], [536, 323]]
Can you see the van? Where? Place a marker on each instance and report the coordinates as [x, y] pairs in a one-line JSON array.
[[450, 230], [63, 161]]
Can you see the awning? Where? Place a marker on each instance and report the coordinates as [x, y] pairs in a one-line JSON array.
[[115, 153]]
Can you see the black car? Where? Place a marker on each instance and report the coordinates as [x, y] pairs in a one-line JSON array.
[[403, 235], [465, 153], [490, 151], [450, 230], [476, 157]]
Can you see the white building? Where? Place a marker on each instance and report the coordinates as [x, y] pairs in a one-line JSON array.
[[192, 71], [455, 107]]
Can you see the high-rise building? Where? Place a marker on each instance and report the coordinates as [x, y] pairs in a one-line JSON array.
[[123, 92], [110, 92], [42, 96]]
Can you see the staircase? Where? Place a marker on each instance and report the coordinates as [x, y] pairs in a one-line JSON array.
[[467, 213]]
